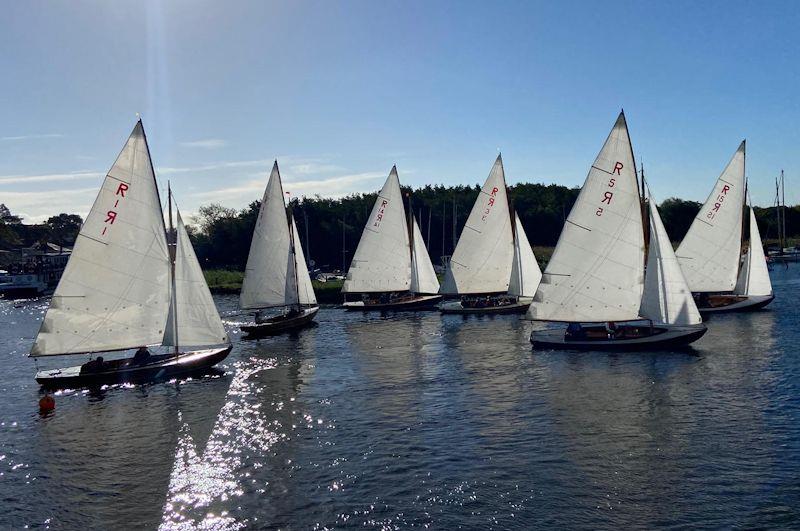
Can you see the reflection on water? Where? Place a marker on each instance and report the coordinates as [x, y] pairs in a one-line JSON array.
[[419, 420]]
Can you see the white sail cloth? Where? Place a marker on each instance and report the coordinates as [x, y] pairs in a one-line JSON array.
[[114, 293], [596, 271], [754, 277], [269, 278], [667, 298], [382, 260], [198, 320], [423, 275], [305, 290], [525, 272], [482, 260], [709, 253]]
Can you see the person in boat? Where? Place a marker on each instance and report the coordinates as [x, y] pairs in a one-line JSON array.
[[611, 329], [142, 356], [575, 331], [293, 312], [95, 365]]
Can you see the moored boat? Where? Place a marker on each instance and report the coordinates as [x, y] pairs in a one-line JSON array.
[[493, 269], [126, 287], [276, 275], [597, 271], [710, 253], [391, 269]]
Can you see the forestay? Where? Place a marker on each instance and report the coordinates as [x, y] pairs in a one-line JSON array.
[[382, 261], [198, 320], [305, 290], [423, 275], [709, 253], [269, 278], [525, 272], [596, 271], [667, 298], [754, 276], [481, 262], [114, 293]]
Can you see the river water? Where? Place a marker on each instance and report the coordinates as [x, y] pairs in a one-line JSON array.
[[418, 420]]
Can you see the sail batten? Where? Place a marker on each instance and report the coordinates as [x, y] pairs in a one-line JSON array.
[[596, 272], [114, 292], [382, 261], [482, 260], [709, 253]]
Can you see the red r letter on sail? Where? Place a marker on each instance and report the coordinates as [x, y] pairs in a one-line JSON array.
[[111, 216], [121, 189], [617, 167], [607, 197]]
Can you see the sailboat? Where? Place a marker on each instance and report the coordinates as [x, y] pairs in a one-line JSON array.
[[125, 287], [597, 271], [276, 275], [493, 268], [391, 268], [710, 253]]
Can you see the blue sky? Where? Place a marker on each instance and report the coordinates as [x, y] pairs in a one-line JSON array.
[[339, 92]]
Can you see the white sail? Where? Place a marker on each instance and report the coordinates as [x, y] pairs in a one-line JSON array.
[[525, 272], [305, 289], [114, 293], [596, 271], [481, 262], [269, 278], [423, 275], [198, 320], [709, 253], [754, 276], [382, 261], [667, 298]]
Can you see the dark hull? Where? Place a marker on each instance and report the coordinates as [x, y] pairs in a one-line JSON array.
[[424, 302], [666, 338], [746, 304], [456, 308], [160, 367], [279, 324]]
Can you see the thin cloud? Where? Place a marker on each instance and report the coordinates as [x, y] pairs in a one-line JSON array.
[[30, 137], [35, 207], [72, 176], [209, 143]]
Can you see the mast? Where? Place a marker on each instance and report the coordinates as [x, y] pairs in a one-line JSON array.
[[172, 253], [292, 250]]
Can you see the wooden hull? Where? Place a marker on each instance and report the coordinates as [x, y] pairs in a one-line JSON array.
[[280, 324], [664, 338], [456, 307], [730, 303], [159, 367], [421, 302]]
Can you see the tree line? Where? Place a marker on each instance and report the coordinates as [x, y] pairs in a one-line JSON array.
[[330, 228]]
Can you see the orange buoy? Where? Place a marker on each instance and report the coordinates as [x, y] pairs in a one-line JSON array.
[[47, 403]]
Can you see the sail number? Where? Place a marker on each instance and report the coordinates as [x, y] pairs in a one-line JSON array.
[[608, 194], [111, 215], [381, 210], [719, 202], [489, 203]]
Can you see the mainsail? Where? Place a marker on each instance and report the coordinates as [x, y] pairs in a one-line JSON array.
[[114, 293], [525, 272], [596, 272], [667, 298], [423, 275], [381, 262], [305, 290], [269, 278], [709, 253], [754, 276], [481, 262], [198, 321]]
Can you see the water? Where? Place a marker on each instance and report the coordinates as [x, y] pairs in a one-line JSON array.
[[419, 421]]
